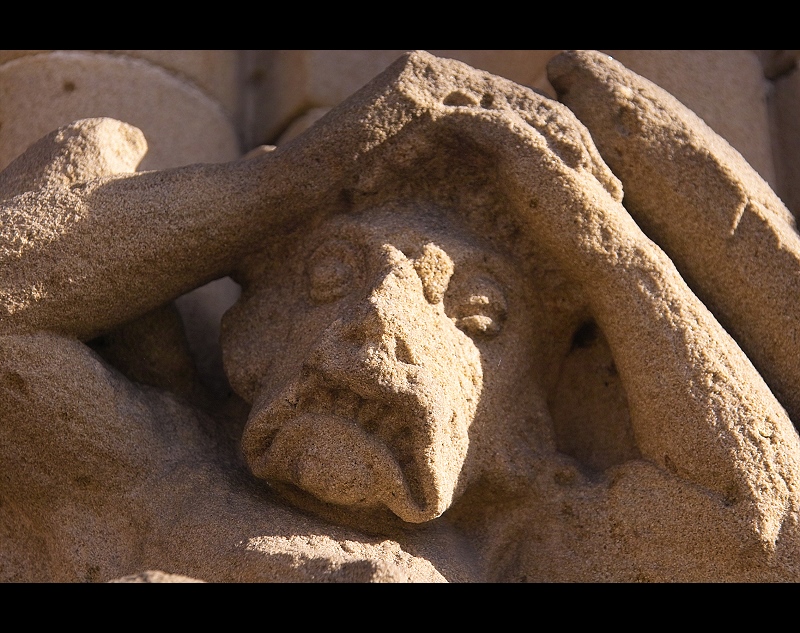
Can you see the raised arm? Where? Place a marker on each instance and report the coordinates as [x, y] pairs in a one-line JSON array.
[[699, 409], [735, 243], [83, 249], [729, 235]]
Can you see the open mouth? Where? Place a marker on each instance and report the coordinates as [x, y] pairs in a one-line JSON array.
[[345, 448]]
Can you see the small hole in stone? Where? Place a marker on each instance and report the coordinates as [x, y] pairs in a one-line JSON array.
[[459, 99], [585, 336], [487, 101], [68, 86]]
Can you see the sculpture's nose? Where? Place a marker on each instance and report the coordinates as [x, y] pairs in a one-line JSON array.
[[378, 337], [391, 385]]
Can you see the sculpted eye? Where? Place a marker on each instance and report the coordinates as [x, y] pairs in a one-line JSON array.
[[332, 271], [477, 307]]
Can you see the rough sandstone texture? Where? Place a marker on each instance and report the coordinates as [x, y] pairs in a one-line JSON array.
[[186, 104], [41, 92], [483, 335], [726, 88], [155, 576], [283, 85]]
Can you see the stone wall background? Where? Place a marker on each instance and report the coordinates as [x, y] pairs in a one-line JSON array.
[[217, 105]]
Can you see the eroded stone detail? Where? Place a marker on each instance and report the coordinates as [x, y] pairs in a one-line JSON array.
[[456, 356]]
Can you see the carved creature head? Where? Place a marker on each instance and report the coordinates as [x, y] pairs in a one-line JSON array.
[[362, 352]]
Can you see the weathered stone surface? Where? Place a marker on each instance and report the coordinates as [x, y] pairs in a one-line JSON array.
[[286, 84], [726, 88], [154, 576], [185, 102], [216, 72], [42, 92], [459, 353], [786, 137], [703, 204]]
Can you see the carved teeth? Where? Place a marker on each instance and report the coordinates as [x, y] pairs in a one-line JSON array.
[[345, 403]]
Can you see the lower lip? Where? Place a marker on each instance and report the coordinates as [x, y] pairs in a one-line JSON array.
[[332, 458]]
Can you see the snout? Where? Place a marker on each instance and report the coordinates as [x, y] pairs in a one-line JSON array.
[[381, 413]]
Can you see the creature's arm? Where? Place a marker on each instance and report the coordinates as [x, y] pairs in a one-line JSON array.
[[86, 244], [699, 408], [730, 237]]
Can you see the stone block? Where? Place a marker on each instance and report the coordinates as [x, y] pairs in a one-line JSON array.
[[216, 72]]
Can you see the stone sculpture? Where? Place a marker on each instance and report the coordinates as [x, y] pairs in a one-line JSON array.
[[459, 353]]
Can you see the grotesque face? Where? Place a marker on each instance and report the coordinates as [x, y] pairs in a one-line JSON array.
[[362, 353]]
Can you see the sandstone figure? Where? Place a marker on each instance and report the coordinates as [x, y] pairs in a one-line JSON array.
[[459, 354]]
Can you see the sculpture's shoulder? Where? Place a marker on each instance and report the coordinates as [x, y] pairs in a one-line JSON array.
[[88, 458], [43, 371], [62, 404]]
